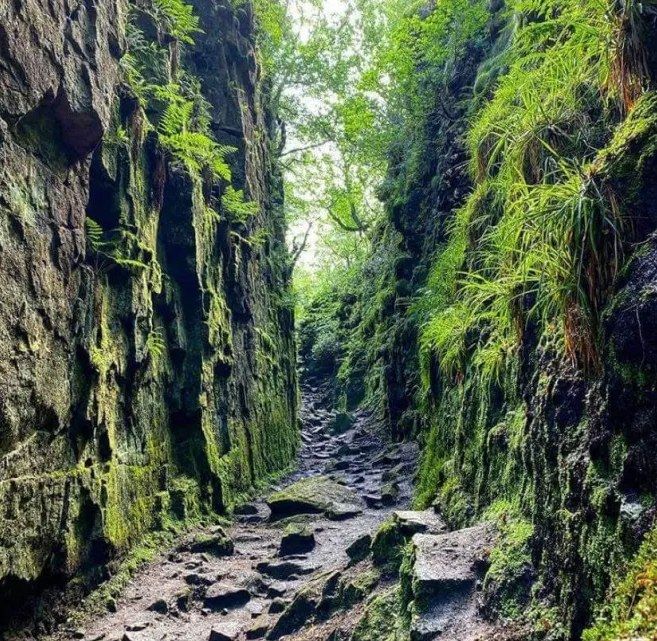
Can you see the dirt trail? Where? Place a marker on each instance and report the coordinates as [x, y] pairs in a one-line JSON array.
[[201, 592]]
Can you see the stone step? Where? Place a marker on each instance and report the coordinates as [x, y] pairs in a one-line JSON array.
[[445, 571], [443, 561]]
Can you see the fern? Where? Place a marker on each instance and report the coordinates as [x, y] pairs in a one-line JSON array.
[[145, 63], [176, 110], [156, 345], [109, 249], [94, 234], [178, 18], [236, 206], [198, 151]]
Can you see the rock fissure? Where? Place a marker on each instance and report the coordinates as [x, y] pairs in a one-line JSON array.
[[302, 574]]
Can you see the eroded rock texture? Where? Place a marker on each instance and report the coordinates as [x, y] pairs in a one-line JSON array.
[[156, 380]]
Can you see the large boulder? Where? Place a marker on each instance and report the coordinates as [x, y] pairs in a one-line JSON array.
[[315, 495]]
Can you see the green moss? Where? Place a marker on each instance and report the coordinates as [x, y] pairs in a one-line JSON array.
[[387, 546], [632, 609], [508, 580], [377, 622]]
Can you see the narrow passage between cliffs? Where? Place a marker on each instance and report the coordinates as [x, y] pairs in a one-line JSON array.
[[302, 561]]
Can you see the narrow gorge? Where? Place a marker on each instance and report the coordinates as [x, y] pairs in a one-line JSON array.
[[328, 321]]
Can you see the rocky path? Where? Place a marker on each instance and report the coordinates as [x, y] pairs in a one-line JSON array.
[[293, 557]]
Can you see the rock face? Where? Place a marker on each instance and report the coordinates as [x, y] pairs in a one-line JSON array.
[[146, 348], [574, 449]]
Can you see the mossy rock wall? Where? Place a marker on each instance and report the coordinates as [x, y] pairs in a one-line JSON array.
[[570, 454], [154, 386]]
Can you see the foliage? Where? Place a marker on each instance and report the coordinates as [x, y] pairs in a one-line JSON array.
[[110, 248], [156, 345], [177, 106], [632, 610], [237, 208], [198, 151], [375, 68], [178, 18], [542, 238]]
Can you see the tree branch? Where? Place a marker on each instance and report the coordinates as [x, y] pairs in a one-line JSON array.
[[301, 248], [297, 150]]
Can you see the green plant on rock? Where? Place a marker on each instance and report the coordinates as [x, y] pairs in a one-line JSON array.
[[145, 63], [109, 248], [178, 108], [237, 208], [183, 129], [178, 19], [197, 152], [542, 238], [156, 345]]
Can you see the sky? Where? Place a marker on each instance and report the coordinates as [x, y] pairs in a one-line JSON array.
[[309, 259]]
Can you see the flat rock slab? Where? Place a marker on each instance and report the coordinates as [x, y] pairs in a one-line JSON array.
[[447, 561], [224, 595], [416, 522], [315, 495], [225, 632]]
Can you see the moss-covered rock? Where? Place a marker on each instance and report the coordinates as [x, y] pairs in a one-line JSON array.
[[387, 545], [317, 494], [216, 542], [325, 595], [379, 619]]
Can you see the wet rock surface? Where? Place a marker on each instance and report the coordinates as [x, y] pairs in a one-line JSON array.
[[445, 578]]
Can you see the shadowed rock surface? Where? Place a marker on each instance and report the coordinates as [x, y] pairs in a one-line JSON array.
[[146, 352]]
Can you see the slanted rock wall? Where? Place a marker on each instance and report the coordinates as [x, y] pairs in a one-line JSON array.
[[147, 363]]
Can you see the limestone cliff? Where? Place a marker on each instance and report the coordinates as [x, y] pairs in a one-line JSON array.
[[147, 365]]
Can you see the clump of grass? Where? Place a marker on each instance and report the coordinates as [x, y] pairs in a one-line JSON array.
[[543, 236], [630, 68]]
